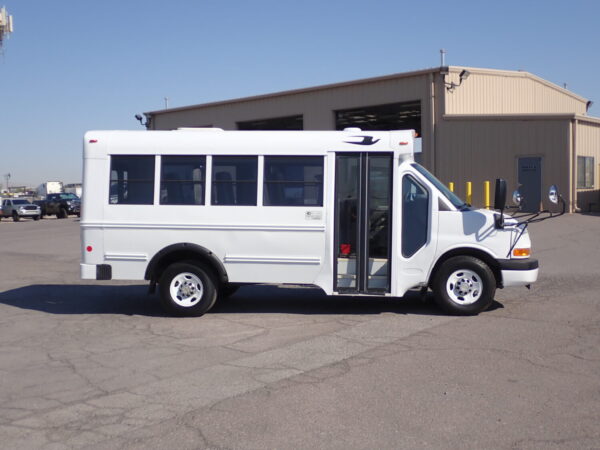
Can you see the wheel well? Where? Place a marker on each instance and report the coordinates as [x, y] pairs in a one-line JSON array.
[[479, 254], [184, 252]]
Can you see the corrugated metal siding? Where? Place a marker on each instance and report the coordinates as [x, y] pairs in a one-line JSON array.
[[508, 93], [588, 144], [316, 106], [480, 150]]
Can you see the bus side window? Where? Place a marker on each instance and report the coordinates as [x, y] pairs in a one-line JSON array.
[[131, 180], [234, 180], [293, 181], [415, 215], [182, 180]]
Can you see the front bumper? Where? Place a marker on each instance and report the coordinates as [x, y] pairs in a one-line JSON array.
[[519, 272], [29, 212]]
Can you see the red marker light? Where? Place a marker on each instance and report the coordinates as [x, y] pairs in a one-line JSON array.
[[93, 141], [403, 143], [89, 248]]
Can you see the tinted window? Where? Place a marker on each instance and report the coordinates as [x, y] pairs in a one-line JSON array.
[[182, 180], [234, 180], [131, 180], [293, 181], [415, 214]]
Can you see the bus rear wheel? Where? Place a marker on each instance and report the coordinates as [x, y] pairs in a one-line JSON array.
[[464, 285], [187, 289]]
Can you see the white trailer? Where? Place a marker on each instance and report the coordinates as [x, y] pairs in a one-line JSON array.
[[73, 188], [49, 187], [200, 212]]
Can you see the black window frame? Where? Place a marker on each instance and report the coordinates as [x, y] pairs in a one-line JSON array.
[[236, 195], [291, 184], [123, 185]]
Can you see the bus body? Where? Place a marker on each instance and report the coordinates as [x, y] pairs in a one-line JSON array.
[[200, 211]]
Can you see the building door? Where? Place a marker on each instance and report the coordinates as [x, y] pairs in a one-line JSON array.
[[530, 181], [363, 215]]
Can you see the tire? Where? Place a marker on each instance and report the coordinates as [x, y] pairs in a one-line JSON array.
[[15, 217], [464, 285], [36, 217], [62, 214], [187, 289]]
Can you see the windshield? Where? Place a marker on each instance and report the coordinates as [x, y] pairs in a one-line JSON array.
[[20, 202], [454, 199], [69, 197]]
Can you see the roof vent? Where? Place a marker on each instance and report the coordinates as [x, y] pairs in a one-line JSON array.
[[352, 130]]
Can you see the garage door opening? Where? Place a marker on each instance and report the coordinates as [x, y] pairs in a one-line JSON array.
[[392, 116]]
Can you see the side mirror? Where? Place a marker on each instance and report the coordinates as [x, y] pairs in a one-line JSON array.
[[553, 194], [500, 194], [517, 198]]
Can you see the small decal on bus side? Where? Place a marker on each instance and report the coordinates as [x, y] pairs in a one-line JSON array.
[[313, 215]]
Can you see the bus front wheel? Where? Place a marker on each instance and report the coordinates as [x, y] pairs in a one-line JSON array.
[[187, 289], [464, 285]]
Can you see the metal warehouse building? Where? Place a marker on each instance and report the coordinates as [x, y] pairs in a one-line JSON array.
[[476, 125]]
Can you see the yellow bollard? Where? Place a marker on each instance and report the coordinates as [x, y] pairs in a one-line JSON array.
[[451, 186], [486, 194], [469, 193]]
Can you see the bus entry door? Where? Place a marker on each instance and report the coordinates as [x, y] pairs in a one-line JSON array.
[[363, 215]]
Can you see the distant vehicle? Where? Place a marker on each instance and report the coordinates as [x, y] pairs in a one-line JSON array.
[[73, 188], [18, 208], [50, 187], [61, 205]]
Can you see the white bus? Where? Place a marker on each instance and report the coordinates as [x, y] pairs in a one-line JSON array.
[[199, 212]]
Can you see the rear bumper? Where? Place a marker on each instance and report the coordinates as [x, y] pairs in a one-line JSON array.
[[95, 271], [519, 272]]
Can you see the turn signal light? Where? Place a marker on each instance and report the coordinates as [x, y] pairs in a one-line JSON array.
[[521, 252]]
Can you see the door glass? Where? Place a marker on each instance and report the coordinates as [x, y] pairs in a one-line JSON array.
[[347, 197], [378, 204], [415, 212]]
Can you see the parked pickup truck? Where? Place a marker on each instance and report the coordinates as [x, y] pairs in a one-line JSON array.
[[18, 208], [60, 204]]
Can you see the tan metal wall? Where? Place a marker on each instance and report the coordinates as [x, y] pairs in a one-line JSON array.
[[587, 143], [477, 150], [317, 106], [507, 92]]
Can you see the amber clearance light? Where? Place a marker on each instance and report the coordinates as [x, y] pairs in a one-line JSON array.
[[521, 252]]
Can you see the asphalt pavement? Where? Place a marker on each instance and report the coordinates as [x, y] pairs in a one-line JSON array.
[[90, 364]]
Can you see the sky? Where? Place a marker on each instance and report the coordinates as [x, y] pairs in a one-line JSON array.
[[76, 65]]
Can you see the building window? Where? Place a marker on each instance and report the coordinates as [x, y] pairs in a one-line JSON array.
[[293, 181], [585, 172], [234, 180], [393, 116], [182, 180], [131, 180], [276, 123]]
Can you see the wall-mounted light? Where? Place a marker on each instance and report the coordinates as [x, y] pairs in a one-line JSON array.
[[461, 77], [588, 105], [140, 119]]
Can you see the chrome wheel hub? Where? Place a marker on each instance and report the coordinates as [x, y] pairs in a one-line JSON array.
[[186, 289], [464, 287]]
